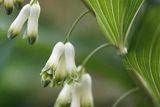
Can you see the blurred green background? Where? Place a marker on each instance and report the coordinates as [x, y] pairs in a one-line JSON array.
[[20, 63]]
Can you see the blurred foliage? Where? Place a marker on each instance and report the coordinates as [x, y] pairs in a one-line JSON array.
[[20, 63]]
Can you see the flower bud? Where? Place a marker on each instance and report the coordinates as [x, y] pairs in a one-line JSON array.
[[32, 27], [18, 23], [76, 95], [64, 98], [9, 5], [86, 91], [70, 61], [53, 60]]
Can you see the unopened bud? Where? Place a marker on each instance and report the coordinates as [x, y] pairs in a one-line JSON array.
[[76, 95], [70, 61], [18, 23], [64, 97], [86, 91], [32, 27]]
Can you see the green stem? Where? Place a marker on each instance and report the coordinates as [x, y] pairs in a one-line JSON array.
[[125, 95], [33, 1], [93, 52], [74, 25]]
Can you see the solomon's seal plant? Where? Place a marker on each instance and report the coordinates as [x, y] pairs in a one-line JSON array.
[[115, 17]]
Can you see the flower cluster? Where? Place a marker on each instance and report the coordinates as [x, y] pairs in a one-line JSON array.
[[78, 94], [60, 67], [10, 4], [30, 13]]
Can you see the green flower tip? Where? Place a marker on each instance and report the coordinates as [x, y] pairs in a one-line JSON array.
[[9, 10], [11, 34], [32, 39]]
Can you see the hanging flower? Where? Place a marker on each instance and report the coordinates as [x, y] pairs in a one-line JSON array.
[[31, 12], [82, 92], [53, 62], [32, 27], [70, 61], [76, 95], [61, 64], [18, 23], [64, 98], [86, 91]]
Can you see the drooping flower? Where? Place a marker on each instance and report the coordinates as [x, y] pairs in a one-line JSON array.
[[9, 5], [70, 61], [32, 26], [61, 64], [64, 98], [82, 92], [31, 12], [61, 74], [18, 23], [53, 62], [86, 91], [76, 95]]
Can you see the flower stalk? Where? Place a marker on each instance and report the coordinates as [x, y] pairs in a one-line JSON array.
[[94, 52], [74, 25]]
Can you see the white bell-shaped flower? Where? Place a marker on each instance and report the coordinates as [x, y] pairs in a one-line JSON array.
[[18, 23], [53, 60], [53, 63], [60, 75], [70, 61], [9, 5], [61, 65], [76, 95], [86, 91], [64, 97], [32, 26]]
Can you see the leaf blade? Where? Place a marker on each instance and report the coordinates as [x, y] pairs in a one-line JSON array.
[[144, 52], [115, 17]]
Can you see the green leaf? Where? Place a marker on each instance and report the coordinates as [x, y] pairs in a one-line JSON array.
[[143, 58], [115, 17]]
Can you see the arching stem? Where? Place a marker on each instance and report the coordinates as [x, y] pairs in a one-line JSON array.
[[125, 95], [93, 52], [74, 25]]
